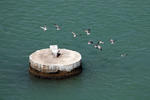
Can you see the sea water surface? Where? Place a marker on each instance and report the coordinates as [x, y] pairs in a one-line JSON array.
[[106, 75]]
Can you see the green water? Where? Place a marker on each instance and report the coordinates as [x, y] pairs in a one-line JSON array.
[[106, 75]]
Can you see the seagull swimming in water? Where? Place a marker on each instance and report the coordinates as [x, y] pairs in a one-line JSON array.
[[112, 41], [74, 34], [100, 42], [57, 27], [43, 27], [90, 42], [88, 31]]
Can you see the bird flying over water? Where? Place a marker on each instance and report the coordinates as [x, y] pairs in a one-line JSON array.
[[88, 31], [90, 42], [98, 47], [43, 27], [112, 41], [57, 27], [74, 34], [123, 55], [100, 42]]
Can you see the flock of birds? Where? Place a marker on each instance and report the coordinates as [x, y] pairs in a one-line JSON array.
[[88, 32]]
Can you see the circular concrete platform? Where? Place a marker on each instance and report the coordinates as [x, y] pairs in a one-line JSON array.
[[44, 64]]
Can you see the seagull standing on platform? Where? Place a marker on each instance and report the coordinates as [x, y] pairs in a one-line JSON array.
[[88, 31], [43, 27], [74, 34], [57, 27]]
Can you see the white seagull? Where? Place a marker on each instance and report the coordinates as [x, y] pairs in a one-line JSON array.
[[100, 42], [74, 34], [112, 41], [88, 31], [123, 55], [99, 47], [96, 45], [43, 27], [90, 42], [57, 27]]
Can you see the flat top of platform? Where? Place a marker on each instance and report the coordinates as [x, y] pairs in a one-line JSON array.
[[45, 57]]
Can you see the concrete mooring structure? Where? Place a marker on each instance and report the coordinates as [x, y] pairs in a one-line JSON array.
[[55, 63]]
